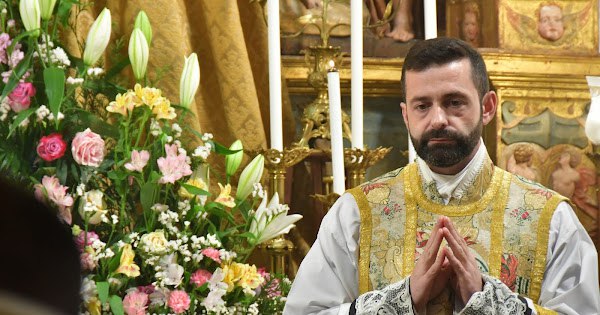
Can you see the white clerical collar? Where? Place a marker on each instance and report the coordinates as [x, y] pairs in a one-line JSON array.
[[454, 186]]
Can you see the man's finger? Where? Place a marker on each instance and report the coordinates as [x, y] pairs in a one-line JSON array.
[[456, 264], [457, 250]]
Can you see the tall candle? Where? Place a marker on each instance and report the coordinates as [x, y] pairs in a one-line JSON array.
[[335, 125], [429, 7], [274, 75], [356, 55]]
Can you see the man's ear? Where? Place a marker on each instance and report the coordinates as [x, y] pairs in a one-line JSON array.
[[404, 114], [489, 105]]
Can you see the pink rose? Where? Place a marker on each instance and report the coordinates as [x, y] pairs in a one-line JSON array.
[[51, 147], [20, 98], [135, 302], [212, 253], [200, 277], [88, 148], [179, 301]]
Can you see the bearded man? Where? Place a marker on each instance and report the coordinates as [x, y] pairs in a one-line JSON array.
[[450, 233]]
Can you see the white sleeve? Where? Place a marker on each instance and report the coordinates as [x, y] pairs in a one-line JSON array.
[[570, 283], [327, 280]]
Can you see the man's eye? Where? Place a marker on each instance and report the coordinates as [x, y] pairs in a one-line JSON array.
[[456, 103], [421, 107]]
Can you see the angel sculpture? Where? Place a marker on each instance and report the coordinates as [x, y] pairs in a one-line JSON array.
[[552, 23]]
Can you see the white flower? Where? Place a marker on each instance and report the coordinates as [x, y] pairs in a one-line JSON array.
[[155, 128], [271, 220], [92, 206], [95, 72], [159, 296], [214, 302], [74, 81], [138, 53], [172, 275], [207, 136], [202, 151], [190, 79], [88, 289], [159, 207], [251, 175], [80, 189], [97, 38], [176, 130], [258, 191], [42, 112], [154, 242], [59, 57], [143, 23]]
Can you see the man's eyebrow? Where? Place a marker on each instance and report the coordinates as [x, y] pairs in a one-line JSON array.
[[420, 99], [454, 95]]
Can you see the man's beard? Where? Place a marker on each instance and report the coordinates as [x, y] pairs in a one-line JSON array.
[[447, 154]]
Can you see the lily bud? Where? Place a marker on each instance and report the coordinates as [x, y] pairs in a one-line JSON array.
[[30, 14], [190, 79], [138, 53], [142, 22], [250, 176], [233, 161], [97, 38], [46, 8]]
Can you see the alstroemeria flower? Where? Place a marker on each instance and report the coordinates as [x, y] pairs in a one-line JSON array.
[[128, 266], [163, 110], [224, 197], [271, 220], [51, 190], [173, 166], [97, 38], [123, 104], [139, 159]]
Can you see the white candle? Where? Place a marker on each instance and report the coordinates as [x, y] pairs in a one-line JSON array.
[[429, 7], [335, 125], [275, 75], [356, 55]]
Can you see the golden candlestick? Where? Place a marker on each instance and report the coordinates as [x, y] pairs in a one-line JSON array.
[[357, 161], [276, 163]]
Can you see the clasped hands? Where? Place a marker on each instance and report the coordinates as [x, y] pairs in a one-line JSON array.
[[453, 266]]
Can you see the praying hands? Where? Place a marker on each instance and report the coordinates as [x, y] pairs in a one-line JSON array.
[[452, 266]]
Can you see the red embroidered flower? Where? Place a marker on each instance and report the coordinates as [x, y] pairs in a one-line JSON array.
[[367, 188], [51, 147], [508, 270]]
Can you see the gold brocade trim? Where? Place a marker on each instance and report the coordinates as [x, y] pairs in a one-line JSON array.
[[497, 228], [453, 210], [410, 225], [543, 311], [366, 230], [539, 261]]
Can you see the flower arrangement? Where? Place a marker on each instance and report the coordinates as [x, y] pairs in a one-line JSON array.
[[153, 235]]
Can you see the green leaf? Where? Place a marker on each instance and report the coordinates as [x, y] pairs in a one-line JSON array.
[[220, 149], [147, 194], [54, 80], [64, 9], [102, 288], [114, 262], [195, 190], [19, 119], [116, 305]]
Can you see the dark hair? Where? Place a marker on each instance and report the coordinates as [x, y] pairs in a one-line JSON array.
[[440, 51]]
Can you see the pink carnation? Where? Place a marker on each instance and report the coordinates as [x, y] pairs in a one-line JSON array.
[[135, 302], [88, 148], [173, 166], [179, 301], [148, 289], [50, 191], [212, 253], [81, 241], [200, 277], [4, 43], [86, 260], [20, 98]]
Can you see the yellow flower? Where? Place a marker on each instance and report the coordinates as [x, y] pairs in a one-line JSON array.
[[128, 266], [94, 306], [196, 182], [121, 105], [149, 96], [224, 197], [251, 279], [154, 243], [242, 275], [162, 109]]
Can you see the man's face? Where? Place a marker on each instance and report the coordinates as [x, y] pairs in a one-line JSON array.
[[550, 24], [444, 114]]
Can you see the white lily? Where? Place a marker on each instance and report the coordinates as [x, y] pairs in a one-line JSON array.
[[142, 22], [30, 14], [233, 161], [190, 79], [97, 38], [46, 8], [138, 53], [271, 220], [250, 176]]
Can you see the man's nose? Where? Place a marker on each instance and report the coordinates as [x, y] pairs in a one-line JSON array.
[[439, 119]]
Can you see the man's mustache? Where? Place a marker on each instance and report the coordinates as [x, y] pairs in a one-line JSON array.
[[439, 133]]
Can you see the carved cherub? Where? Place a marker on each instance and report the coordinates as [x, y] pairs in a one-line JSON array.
[[551, 23]]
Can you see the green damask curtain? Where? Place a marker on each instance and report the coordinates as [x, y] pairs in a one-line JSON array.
[[230, 38]]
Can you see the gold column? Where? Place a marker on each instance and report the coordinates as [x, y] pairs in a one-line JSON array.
[[357, 161]]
